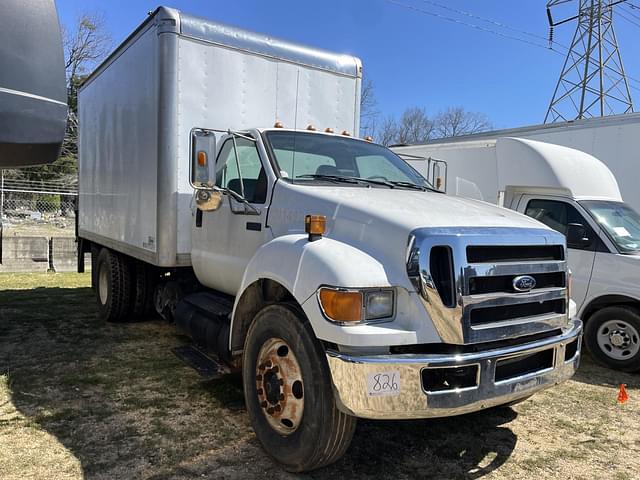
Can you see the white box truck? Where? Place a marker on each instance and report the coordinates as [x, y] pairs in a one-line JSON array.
[[575, 194], [320, 266]]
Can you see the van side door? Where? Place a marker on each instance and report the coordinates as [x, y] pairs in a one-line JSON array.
[[558, 213]]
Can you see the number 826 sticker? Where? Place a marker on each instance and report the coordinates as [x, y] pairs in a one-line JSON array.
[[383, 383]]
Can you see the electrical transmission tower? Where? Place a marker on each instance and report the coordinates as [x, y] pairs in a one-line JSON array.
[[592, 82]]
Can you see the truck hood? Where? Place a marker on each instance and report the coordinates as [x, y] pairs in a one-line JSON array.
[[379, 221], [409, 209]]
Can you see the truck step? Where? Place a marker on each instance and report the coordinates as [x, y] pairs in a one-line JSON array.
[[202, 363]]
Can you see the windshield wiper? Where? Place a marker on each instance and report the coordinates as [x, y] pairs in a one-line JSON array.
[[345, 179], [414, 186]]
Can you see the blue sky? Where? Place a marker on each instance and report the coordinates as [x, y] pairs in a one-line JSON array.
[[412, 57]]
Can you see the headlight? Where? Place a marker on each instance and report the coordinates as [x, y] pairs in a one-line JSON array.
[[356, 306], [378, 304]]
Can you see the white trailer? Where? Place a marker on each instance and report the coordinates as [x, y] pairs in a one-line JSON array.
[[573, 193], [614, 140], [320, 266]]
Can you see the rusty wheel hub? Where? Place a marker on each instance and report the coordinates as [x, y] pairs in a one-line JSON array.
[[279, 386]]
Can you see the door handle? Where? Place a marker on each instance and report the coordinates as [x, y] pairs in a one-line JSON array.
[[254, 226]]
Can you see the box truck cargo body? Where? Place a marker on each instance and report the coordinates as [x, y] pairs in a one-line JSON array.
[[221, 188], [174, 72]]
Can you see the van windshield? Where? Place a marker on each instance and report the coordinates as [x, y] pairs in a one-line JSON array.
[[619, 221], [327, 159]]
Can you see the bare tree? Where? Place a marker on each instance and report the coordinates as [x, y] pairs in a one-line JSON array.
[[84, 48], [414, 126], [387, 133], [368, 108], [456, 121], [87, 45]]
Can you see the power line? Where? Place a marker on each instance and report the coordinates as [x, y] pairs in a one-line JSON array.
[[628, 19], [471, 25], [493, 22], [628, 11], [487, 30]]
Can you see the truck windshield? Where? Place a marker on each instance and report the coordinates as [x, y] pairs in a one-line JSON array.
[[619, 221], [317, 158]]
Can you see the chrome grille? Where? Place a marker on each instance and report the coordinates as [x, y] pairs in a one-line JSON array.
[[485, 263]]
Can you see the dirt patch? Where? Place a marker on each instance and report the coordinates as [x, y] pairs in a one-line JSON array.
[[84, 399]]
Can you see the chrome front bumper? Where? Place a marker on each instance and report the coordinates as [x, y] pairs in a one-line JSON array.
[[401, 394]]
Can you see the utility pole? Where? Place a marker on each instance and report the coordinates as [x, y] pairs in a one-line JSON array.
[[592, 82]]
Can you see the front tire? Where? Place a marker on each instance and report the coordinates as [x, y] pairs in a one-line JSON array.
[[288, 392], [612, 336]]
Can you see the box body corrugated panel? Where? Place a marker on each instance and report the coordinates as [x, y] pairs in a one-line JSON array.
[[176, 73], [119, 149]]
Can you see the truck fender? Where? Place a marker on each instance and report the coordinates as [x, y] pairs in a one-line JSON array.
[[294, 268]]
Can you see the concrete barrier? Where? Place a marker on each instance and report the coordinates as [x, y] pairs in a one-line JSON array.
[[24, 254], [64, 255]]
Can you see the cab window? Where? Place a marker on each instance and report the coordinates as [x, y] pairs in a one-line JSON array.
[[251, 175], [558, 215]]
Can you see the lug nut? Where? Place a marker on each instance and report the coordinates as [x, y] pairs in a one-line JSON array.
[[275, 369], [258, 378], [270, 410], [260, 391], [281, 381], [278, 408], [282, 396], [263, 404]]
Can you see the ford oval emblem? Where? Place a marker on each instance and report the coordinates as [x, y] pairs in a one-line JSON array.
[[524, 283]]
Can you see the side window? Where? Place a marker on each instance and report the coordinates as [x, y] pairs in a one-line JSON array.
[[557, 215], [254, 179]]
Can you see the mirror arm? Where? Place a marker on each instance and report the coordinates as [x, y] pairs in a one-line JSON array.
[[235, 153]]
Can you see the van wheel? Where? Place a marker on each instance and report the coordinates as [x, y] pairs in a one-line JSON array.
[[288, 392], [612, 336], [113, 286]]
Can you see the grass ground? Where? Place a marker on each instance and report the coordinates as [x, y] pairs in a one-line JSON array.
[[83, 399]]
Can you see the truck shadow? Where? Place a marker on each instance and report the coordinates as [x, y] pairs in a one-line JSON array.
[[122, 406]]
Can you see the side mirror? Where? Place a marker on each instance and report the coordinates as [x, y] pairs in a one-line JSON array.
[[208, 200], [577, 236], [203, 158]]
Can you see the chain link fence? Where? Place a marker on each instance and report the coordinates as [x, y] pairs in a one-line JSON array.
[[37, 213]]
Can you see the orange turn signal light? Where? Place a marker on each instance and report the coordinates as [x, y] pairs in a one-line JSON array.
[[311, 127], [202, 158], [278, 125], [315, 226], [341, 305], [328, 130]]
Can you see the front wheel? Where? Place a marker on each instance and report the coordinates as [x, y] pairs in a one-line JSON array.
[[612, 335], [288, 392]]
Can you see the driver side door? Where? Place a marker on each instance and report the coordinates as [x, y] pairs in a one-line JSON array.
[[558, 213], [224, 240]]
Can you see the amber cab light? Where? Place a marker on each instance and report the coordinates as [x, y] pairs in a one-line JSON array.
[[315, 226], [202, 158], [341, 305]]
